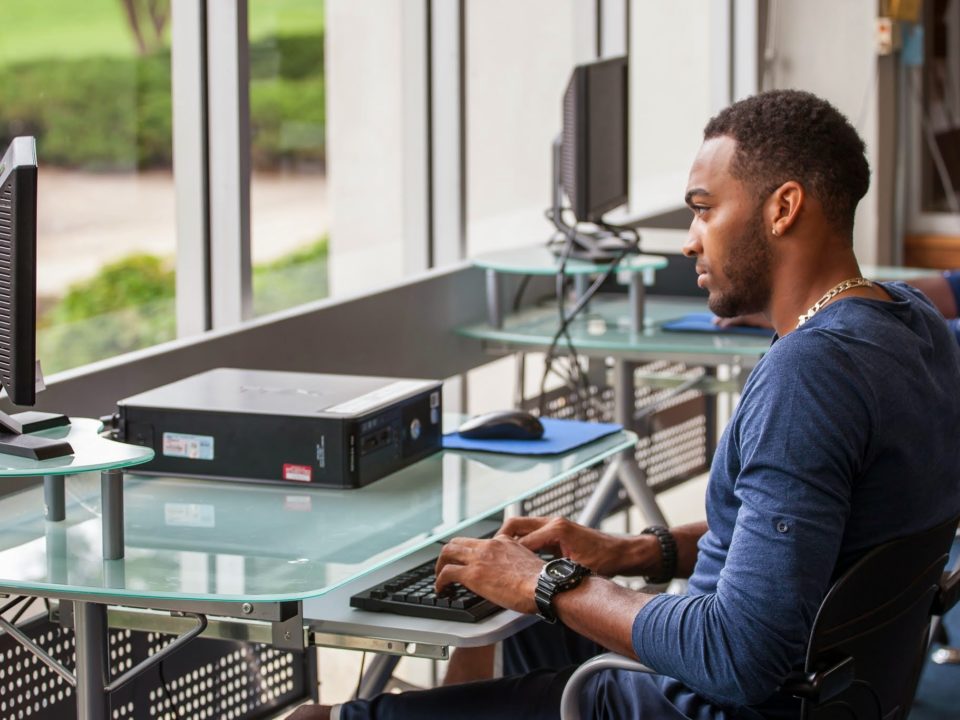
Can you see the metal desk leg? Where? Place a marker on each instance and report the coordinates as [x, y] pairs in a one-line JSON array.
[[494, 311], [90, 626], [580, 286], [638, 294], [111, 503], [591, 514], [54, 505], [377, 676], [631, 477]]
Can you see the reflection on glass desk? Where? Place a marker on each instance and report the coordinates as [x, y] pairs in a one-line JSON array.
[[217, 541], [606, 330]]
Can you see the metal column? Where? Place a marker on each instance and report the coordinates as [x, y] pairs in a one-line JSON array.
[[631, 476], [90, 626], [54, 505], [111, 503]]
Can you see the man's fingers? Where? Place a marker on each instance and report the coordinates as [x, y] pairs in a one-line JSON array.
[[520, 526], [449, 574], [540, 539], [458, 551]]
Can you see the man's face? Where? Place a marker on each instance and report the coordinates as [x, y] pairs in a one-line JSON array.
[[728, 234]]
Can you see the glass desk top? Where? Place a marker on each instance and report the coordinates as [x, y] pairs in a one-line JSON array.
[[91, 452], [540, 260], [605, 328], [235, 542]]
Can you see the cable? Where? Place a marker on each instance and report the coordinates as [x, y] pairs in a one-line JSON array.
[[567, 317], [518, 296], [178, 711]]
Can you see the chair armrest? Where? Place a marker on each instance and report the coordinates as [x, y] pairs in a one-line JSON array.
[[570, 702], [821, 685], [948, 594]]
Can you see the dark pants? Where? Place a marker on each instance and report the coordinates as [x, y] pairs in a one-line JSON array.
[[537, 663]]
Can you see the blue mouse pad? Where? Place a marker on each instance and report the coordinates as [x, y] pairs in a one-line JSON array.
[[558, 436], [703, 323]]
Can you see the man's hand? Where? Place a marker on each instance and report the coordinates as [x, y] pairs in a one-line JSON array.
[[501, 570], [606, 555]]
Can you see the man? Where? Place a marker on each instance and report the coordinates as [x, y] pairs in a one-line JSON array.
[[844, 438]]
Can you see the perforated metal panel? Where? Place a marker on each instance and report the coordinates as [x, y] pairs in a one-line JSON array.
[[675, 438], [215, 679]]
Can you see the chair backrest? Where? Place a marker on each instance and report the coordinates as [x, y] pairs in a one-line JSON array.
[[878, 613]]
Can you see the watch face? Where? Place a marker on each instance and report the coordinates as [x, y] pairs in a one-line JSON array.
[[560, 569]]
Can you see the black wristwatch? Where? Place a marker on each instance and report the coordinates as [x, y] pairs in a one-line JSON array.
[[556, 576]]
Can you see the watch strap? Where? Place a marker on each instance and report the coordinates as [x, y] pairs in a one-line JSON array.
[[668, 554]]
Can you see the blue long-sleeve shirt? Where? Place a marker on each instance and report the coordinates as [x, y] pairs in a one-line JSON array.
[[845, 437]]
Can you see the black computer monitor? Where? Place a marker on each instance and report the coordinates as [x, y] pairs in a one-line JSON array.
[[593, 155], [18, 303], [591, 158]]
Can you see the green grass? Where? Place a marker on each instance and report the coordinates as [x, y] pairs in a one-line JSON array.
[[38, 29], [35, 29]]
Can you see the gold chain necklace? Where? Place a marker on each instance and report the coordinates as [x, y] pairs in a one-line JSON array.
[[830, 294]]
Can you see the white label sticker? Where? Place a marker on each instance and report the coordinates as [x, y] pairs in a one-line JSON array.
[[193, 447], [378, 397], [189, 515]]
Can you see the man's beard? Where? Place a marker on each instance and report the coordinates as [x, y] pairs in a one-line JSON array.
[[747, 273]]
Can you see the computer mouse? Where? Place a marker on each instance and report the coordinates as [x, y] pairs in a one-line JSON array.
[[502, 425]]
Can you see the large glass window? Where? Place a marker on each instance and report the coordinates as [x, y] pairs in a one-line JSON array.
[[289, 218], [91, 81], [940, 183]]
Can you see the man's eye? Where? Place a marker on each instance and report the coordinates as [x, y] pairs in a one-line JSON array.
[[698, 210]]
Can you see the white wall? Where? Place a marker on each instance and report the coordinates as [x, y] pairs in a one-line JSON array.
[[518, 58], [670, 97], [827, 47]]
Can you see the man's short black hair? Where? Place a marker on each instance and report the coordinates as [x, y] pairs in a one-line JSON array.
[[786, 135]]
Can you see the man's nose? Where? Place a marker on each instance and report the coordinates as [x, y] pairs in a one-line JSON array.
[[692, 247]]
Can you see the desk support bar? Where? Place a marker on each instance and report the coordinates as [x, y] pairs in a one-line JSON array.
[[38, 651], [90, 628], [494, 311], [377, 676], [54, 504], [637, 294], [161, 655], [111, 503]]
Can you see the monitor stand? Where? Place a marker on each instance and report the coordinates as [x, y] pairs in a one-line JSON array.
[[15, 437], [600, 246]]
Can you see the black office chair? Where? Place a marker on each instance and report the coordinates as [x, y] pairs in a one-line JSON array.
[[869, 639]]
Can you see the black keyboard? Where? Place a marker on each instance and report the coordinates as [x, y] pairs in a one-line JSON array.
[[412, 593]]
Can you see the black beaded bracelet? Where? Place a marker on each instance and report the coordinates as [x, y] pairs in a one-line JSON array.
[[668, 551]]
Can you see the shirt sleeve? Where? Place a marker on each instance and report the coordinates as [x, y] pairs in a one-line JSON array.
[[800, 433]]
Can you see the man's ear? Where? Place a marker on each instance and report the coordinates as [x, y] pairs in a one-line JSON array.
[[784, 205]]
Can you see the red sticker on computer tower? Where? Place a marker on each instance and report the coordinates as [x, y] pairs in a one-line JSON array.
[[300, 473]]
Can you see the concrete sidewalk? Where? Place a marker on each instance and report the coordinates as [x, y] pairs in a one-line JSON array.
[[86, 220]]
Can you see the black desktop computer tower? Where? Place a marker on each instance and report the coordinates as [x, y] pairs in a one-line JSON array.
[[339, 431]]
